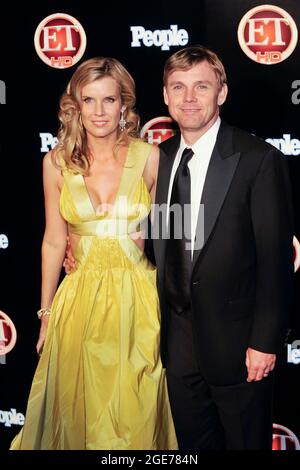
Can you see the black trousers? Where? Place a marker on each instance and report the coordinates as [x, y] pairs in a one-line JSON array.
[[209, 417]]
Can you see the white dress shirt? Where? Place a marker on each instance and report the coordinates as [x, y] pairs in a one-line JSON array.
[[198, 165]]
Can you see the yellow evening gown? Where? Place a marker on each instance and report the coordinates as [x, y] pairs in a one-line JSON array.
[[99, 383]]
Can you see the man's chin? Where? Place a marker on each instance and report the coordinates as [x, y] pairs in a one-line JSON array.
[[191, 127], [191, 121]]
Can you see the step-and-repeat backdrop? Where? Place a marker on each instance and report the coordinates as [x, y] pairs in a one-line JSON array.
[[259, 46]]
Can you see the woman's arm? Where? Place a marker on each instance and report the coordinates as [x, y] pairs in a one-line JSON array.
[[55, 236], [150, 172], [54, 241]]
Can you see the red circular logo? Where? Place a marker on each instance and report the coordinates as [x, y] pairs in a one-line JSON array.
[[158, 129], [296, 246], [267, 34], [284, 438], [60, 40], [8, 334]]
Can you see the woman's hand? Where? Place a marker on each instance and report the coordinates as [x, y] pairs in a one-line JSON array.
[[43, 332], [69, 262]]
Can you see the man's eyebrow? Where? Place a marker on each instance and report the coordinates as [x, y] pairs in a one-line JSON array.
[[176, 82], [199, 82], [206, 82]]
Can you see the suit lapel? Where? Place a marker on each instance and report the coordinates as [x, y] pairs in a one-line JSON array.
[[219, 175]]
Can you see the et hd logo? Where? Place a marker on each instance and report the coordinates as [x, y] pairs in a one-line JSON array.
[[60, 41], [158, 129], [8, 336], [267, 34]]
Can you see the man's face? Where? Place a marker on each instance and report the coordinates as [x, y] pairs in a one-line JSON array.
[[193, 97]]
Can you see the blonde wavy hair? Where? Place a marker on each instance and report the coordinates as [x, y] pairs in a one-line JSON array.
[[72, 149]]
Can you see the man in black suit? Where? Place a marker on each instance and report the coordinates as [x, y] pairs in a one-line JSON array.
[[225, 284]]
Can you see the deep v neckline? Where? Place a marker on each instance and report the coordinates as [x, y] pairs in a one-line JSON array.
[[112, 205]]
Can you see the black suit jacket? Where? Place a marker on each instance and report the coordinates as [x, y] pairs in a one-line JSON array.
[[241, 281]]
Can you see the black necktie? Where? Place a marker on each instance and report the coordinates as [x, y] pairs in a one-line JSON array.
[[178, 256]]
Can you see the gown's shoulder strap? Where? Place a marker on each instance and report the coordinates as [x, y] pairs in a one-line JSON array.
[[76, 188], [59, 160], [139, 152], [68, 174]]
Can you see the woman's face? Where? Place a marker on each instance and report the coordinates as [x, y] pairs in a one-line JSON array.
[[100, 108]]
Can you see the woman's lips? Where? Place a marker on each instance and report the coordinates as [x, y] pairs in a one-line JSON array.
[[99, 123]]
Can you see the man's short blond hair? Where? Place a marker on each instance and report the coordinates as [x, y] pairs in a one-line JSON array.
[[193, 55]]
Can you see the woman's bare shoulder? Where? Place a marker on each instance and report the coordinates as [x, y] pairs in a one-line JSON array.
[[51, 169]]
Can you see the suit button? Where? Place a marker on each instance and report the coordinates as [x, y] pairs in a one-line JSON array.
[[195, 283]]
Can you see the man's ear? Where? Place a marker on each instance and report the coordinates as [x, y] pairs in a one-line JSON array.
[[166, 100], [222, 94]]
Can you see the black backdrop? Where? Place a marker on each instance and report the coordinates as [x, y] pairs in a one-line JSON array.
[[259, 101]]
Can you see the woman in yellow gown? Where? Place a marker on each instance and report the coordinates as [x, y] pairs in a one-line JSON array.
[[99, 383]]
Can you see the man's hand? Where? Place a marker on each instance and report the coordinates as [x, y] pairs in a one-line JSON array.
[[259, 364], [69, 261]]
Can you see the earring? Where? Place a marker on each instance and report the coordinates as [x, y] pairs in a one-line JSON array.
[[122, 122]]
